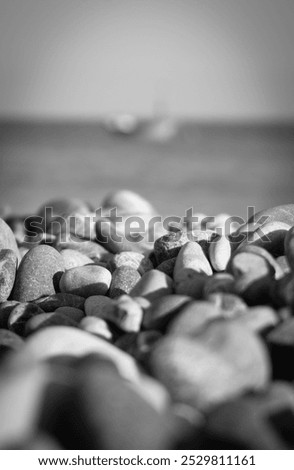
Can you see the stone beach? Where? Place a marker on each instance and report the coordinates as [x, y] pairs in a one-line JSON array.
[[117, 340]]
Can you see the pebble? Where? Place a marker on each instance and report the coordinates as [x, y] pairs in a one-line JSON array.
[[7, 238], [55, 301], [73, 258], [48, 319], [222, 362], [256, 421], [9, 341], [283, 214], [168, 266], [220, 251], [96, 326], [281, 343], [282, 261], [123, 281], [110, 413], [20, 417], [152, 285], [131, 259], [270, 236], [219, 282], [8, 265], [85, 281], [169, 245], [112, 239], [95, 305], [190, 260], [247, 268], [5, 309], [163, 310], [230, 305], [127, 202], [73, 313], [38, 274], [20, 314], [289, 248], [63, 340], [125, 313], [60, 208], [259, 319], [193, 318], [88, 248]]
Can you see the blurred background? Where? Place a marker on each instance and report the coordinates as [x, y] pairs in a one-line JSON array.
[[188, 102]]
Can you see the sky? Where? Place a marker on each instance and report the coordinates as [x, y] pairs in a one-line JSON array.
[[202, 59]]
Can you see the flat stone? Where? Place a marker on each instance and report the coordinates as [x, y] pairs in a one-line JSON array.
[[223, 362], [38, 274], [20, 314], [85, 281], [123, 281], [152, 285], [53, 302], [8, 265], [163, 310], [73, 258]]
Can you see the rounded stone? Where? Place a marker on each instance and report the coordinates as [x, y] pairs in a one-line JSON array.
[[63, 340], [222, 362], [167, 266], [38, 274], [5, 309], [95, 305], [194, 317], [73, 313], [127, 202], [7, 238], [8, 265], [55, 209], [132, 259], [96, 326], [9, 341], [152, 285], [20, 314], [123, 281], [219, 282], [55, 301], [86, 281], [163, 310], [169, 245], [73, 258]]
